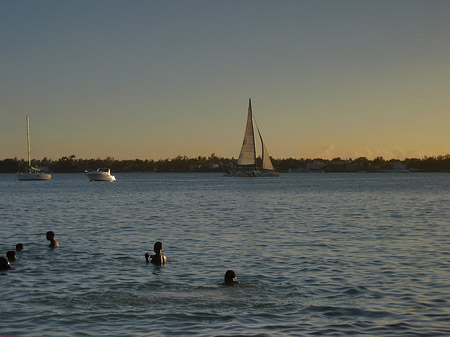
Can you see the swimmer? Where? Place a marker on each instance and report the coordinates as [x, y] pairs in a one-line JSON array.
[[19, 247], [51, 237], [4, 263], [230, 278], [11, 255], [159, 258]]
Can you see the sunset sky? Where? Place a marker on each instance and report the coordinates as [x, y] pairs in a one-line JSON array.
[[157, 79]]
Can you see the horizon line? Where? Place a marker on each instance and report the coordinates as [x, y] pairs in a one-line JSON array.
[[74, 157]]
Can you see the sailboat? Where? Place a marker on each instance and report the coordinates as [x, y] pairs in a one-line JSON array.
[[32, 173], [246, 165]]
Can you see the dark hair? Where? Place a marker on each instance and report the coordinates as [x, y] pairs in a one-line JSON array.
[[230, 275], [11, 255], [19, 246], [157, 247], [4, 263], [50, 235]]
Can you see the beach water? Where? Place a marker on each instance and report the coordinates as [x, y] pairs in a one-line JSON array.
[[315, 255]]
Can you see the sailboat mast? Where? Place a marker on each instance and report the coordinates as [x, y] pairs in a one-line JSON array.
[[262, 144], [28, 141], [250, 113]]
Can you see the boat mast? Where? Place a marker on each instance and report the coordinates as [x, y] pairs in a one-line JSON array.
[[250, 113], [28, 141], [262, 145]]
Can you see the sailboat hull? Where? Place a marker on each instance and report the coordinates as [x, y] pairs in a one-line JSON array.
[[243, 174], [252, 174], [267, 174], [34, 176]]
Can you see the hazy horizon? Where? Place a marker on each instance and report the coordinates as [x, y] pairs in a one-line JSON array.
[[154, 79]]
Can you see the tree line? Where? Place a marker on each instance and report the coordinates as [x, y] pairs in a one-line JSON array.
[[213, 163]]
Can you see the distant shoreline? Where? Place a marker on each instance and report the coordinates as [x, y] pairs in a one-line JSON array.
[[214, 163], [282, 172]]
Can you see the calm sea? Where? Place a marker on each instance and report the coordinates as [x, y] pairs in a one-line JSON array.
[[315, 255]]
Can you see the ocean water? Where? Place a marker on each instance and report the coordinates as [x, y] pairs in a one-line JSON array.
[[315, 255]]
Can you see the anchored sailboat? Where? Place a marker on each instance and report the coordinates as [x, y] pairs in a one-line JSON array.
[[246, 165], [32, 173]]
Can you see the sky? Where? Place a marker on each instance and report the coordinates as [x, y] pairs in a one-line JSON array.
[[157, 79]]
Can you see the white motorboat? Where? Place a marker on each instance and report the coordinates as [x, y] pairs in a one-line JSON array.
[[246, 164], [101, 174], [32, 173]]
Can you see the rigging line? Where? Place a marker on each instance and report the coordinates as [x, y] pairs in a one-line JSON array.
[[262, 142], [259, 132]]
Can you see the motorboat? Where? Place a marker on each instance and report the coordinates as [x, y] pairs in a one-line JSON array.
[[100, 174]]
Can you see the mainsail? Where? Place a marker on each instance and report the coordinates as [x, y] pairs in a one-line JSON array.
[[247, 157]]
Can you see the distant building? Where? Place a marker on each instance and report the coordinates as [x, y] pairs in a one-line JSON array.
[[400, 167], [316, 165], [354, 167]]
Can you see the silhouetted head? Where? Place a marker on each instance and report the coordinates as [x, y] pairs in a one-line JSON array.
[[4, 263], [230, 277], [50, 235], [11, 255], [157, 247], [19, 247]]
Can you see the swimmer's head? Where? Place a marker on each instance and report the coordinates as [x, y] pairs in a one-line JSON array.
[[19, 247], [4, 263], [11, 255], [157, 247], [230, 277], [50, 235]]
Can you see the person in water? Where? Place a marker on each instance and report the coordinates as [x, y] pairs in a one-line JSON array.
[[19, 247], [230, 278], [159, 258], [4, 263], [51, 237], [11, 255]]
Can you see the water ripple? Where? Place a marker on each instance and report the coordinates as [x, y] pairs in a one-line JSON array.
[[315, 255]]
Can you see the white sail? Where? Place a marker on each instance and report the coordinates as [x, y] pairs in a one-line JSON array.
[[266, 161], [247, 157], [246, 164]]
